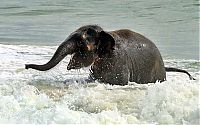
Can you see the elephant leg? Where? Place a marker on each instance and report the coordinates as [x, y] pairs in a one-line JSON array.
[[158, 72], [115, 75], [141, 77]]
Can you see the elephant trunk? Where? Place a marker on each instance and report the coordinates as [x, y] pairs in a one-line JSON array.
[[67, 47]]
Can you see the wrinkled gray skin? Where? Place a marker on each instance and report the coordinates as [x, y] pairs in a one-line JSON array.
[[116, 57], [127, 56]]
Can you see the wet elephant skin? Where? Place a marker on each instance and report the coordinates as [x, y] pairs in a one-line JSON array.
[[116, 57]]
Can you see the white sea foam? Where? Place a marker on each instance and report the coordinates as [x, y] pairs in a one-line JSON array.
[[29, 96]]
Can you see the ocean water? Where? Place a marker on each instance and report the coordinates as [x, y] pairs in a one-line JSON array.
[[30, 32], [30, 96], [172, 25]]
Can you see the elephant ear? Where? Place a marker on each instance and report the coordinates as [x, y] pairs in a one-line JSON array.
[[106, 44]]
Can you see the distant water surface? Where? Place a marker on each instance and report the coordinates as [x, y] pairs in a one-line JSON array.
[[171, 24]]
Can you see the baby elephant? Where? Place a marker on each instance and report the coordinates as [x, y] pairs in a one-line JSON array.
[[115, 57]]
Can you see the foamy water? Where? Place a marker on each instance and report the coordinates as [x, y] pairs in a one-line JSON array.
[[30, 96]]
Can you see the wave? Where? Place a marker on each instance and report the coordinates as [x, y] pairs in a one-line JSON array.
[[29, 96]]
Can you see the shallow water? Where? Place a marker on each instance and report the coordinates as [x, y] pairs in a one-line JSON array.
[[30, 32], [30, 96]]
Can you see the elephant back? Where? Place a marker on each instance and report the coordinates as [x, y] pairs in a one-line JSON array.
[[144, 59]]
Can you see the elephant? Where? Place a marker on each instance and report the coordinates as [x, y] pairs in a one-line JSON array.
[[115, 57]]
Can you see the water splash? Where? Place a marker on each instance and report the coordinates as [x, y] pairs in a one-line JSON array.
[[29, 96]]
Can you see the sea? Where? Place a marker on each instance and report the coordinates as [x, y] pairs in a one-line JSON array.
[[31, 31]]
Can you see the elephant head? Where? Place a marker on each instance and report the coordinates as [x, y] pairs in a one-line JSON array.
[[80, 43], [98, 44]]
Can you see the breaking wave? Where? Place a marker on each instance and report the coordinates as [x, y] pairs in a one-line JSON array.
[[29, 96]]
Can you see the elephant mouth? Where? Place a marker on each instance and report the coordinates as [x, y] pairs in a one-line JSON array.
[[90, 47]]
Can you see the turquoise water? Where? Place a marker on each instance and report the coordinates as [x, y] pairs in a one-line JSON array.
[[172, 25]]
